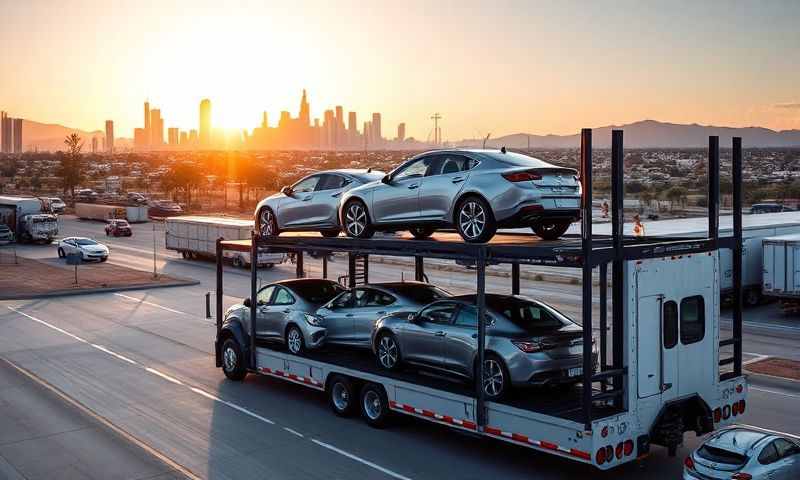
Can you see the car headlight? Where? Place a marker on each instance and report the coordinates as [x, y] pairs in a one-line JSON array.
[[313, 319]]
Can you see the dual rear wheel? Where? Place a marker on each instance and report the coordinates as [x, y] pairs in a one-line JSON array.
[[345, 398]]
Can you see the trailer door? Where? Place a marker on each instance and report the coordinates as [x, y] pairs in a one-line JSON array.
[[648, 345]]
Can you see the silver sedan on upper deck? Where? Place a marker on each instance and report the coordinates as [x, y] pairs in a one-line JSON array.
[[476, 191], [311, 204]]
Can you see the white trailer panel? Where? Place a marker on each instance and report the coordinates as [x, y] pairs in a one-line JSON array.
[[781, 266]]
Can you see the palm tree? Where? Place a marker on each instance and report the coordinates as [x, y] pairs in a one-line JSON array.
[[71, 163]]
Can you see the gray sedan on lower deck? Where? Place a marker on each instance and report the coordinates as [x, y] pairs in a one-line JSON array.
[[528, 343]]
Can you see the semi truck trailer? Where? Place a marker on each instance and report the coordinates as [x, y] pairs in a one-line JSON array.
[[95, 211], [24, 216], [781, 268]]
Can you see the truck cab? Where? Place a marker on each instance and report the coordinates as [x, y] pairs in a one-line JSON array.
[[42, 227]]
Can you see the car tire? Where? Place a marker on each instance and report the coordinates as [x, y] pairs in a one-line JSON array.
[[233, 365], [330, 233], [387, 351], [421, 233], [474, 220], [294, 340], [238, 262], [550, 230], [267, 223], [496, 371], [104, 259], [269, 266], [342, 396], [356, 220], [374, 405], [61, 253], [185, 254]]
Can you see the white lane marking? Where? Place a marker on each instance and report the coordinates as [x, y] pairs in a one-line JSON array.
[[115, 354], [164, 376], [360, 460], [774, 392], [139, 300], [217, 399], [757, 358], [728, 323], [294, 432]]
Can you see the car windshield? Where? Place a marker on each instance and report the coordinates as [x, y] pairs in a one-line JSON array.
[[85, 241], [318, 292], [122, 223], [527, 315], [422, 294], [719, 455]]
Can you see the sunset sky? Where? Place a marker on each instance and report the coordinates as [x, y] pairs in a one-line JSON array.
[[499, 66]]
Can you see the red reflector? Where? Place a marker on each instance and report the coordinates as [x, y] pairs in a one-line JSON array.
[[717, 415], [580, 454], [735, 409], [604, 432], [522, 176], [618, 451], [739, 388], [600, 458], [628, 446], [548, 445], [689, 463], [532, 208], [741, 406], [726, 412], [609, 452]]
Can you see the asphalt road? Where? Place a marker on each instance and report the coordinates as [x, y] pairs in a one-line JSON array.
[[143, 360]]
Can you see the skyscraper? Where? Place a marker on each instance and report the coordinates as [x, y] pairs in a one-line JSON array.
[[5, 133], [264, 120], [184, 139], [172, 136], [94, 142], [17, 125], [146, 124], [329, 126], [205, 123], [401, 132], [351, 125], [375, 128], [141, 139], [156, 128], [110, 136], [305, 111], [340, 136]]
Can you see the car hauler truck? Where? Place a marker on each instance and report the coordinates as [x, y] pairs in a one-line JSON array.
[[661, 372], [195, 237], [24, 216]]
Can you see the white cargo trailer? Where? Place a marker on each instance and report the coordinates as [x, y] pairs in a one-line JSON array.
[[24, 216], [196, 237], [95, 211], [781, 275]]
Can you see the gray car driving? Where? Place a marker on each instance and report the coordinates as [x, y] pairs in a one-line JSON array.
[[350, 317], [528, 343], [285, 312], [476, 191], [311, 204]]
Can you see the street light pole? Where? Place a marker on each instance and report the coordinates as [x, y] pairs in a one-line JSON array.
[[155, 272]]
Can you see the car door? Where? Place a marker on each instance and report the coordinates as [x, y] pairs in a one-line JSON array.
[[326, 198], [369, 305], [398, 200], [445, 179], [423, 338], [265, 312], [338, 318], [461, 341], [293, 210], [787, 465]]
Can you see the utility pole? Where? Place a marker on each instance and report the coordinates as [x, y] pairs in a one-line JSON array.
[[155, 271], [437, 136], [486, 139]]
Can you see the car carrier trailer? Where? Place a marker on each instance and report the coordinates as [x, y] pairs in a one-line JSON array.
[[660, 370]]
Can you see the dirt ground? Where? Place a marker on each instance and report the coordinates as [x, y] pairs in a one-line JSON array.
[[778, 367], [22, 278]]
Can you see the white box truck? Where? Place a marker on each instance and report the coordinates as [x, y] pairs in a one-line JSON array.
[[196, 237], [94, 211], [781, 273], [24, 216]]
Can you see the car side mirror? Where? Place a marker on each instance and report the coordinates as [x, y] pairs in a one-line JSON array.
[[247, 303], [287, 191], [412, 317], [387, 179]]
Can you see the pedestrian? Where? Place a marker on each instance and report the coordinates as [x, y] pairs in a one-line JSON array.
[[638, 227]]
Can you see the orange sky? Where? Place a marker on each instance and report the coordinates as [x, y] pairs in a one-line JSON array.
[[500, 67]]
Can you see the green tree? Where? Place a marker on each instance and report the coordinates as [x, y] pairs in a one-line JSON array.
[[646, 198], [182, 176], [676, 195], [71, 173]]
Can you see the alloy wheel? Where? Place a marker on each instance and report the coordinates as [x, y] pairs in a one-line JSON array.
[[372, 405], [267, 223], [472, 219], [492, 378], [356, 219], [387, 352], [341, 397], [294, 341], [229, 359]]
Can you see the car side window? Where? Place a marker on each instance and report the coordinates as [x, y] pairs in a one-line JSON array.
[[331, 181], [693, 319], [785, 448], [342, 301], [265, 295], [362, 296], [418, 168], [467, 317], [440, 313], [283, 297], [379, 299], [306, 185], [768, 454], [670, 318], [454, 164]]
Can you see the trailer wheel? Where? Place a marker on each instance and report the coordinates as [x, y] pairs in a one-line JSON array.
[[232, 360], [374, 405], [185, 254], [342, 396], [752, 297], [61, 253]]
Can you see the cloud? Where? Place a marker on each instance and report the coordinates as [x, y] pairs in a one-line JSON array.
[[788, 106]]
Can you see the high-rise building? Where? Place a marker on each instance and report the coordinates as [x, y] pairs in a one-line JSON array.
[[329, 126], [184, 139], [264, 120], [351, 126], [141, 139], [110, 136], [156, 128], [17, 135], [305, 111], [375, 129], [205, 123], [5, 133], [146, 125], [172, 136], [367, 133], [401, 132], [193, 136], [340, 133], [94, 142]]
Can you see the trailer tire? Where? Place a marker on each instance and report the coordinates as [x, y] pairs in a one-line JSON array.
[[374, 405], [752, 297], [342, 395], [185, 254], [232, 360], [61, 253], [550, 230]]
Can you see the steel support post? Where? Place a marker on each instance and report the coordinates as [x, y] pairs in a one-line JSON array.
[[419, 269], [300, 273], [325, 266], [713, 188], [586, 243], [618, 326], [480, 303], [515, 279], [603, 320], [736, 167], [351, 270], [253, 296]]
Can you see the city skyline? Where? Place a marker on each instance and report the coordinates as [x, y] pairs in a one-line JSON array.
[[536, 67]]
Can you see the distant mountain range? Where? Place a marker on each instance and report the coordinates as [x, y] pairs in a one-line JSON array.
[[651, 134], [49, 136]]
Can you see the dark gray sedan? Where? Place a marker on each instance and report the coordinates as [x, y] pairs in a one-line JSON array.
[[528, 343], [350, 318]]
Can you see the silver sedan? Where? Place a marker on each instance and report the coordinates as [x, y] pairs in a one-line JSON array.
[[311, 204], [528, 343], [350, 317], [477, 191], [744, 453]]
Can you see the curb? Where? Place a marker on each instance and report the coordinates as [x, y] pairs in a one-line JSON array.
[[90, 291]]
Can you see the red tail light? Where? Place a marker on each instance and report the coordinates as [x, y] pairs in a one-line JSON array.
[[618, 451], [735, 408], [628, 447], [741, 476], [600, 458], [528, 347], [717, 415], [742, 404], [522, 176], [609, 452], [726, 412], [689, 463]]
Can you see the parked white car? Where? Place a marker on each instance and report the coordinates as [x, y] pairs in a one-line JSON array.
[[90, 250]]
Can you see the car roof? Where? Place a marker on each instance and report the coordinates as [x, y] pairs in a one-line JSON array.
[[297, 281], [737, 439]]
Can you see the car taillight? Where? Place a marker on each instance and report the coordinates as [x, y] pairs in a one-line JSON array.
[[717, 415], [628, 447], [618, 451], [528, 347], [741, 406], [741, 476], [735, 408], [600, 457], [689, 463], [522, 176]]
